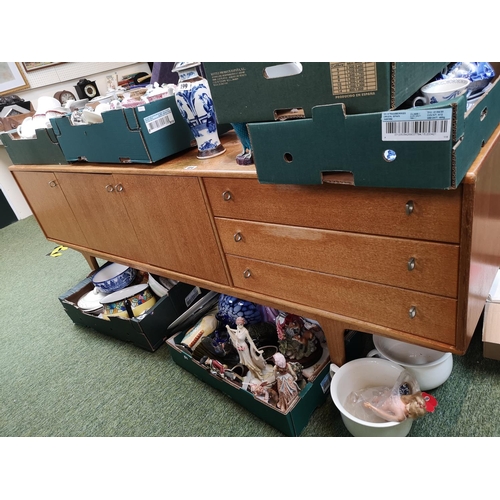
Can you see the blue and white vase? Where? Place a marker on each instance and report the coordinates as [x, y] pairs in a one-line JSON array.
[[194, 100]]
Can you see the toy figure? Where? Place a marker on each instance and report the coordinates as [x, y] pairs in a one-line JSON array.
[[249, 355], [397, 408], [288, 390]]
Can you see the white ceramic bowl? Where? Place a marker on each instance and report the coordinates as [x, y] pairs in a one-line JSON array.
[[360, 374], [113, 277], [431, 368]]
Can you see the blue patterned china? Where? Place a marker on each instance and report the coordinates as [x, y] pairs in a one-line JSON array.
[[231, 308], [113, 277], [442, 90], [194, 100]]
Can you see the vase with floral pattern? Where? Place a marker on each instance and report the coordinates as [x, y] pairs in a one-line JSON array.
[[194, 101]]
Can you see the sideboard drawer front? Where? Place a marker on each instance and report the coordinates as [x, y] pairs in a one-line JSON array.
[[414, 264], [434, 319], [418, 214]]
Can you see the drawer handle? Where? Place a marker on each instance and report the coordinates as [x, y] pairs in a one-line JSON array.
[[247, 273], [226, 195], [110, 188], [411, 264], [52, 184], [409, 207], [238, 237], [119, 188], [412, 312]]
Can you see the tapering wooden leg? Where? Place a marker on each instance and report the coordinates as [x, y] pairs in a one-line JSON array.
[[334, 333], [91, 260]]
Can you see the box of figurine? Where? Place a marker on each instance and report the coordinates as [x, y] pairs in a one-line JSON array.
[[274, 364]]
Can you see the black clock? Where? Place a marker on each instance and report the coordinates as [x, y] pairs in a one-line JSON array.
[[86, 89]]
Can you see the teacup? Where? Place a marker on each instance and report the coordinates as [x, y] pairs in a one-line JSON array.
[[27, 128], [40, 121], [442, 90]]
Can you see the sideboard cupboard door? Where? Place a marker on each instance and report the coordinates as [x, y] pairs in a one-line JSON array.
[[99, 208], [172, 223], [50, 207]]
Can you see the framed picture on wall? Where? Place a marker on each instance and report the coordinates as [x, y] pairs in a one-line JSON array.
[[32, 66], [12, 78]]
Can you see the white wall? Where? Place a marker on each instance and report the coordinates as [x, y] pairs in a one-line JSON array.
[[48, 81]]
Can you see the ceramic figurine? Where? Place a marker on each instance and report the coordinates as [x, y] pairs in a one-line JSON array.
[[194, 100], [295, 341], [250, 356], [246, 156], [286, 381], [264, 392]]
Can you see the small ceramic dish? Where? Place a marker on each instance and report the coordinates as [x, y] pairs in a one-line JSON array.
[[130, 302], [113, 277], [156, 286], [91, 301]]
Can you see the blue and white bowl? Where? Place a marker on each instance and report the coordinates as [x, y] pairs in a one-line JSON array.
[[113, 277]]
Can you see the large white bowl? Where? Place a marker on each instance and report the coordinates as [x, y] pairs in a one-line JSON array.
[[360, 374], [431, 368]]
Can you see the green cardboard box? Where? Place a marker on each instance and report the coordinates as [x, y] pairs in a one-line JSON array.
[[292, 422], [144, 134], [246, 92], [428, 147], [149, 332], [42, 150]]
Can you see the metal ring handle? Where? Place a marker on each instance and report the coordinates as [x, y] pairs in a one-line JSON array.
[[412, 312], [119, 188], [247, 273], [238, 237], [410, 206], [52, 184], [226, 195], [109, 188], [411, 264]]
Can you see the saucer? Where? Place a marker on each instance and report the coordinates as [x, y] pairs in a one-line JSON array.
[[91, 300]]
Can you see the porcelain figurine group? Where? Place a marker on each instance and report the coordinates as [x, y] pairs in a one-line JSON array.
[[265, 358]]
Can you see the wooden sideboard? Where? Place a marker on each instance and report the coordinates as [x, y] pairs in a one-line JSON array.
[[414, 265]]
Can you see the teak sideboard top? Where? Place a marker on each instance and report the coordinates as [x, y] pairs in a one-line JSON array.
[[415, 265]]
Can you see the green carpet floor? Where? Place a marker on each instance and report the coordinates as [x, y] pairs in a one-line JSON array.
[[59, 379]]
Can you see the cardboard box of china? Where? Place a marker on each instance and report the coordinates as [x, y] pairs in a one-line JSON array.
[[41, 150], [293, 421], [246, 92], [149, 331], [491, 322], [145, 134], [430, 147]]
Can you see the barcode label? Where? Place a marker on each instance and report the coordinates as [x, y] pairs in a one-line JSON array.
[[417, 125], [159, 120]]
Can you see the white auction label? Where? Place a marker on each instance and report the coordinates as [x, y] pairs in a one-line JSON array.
[[417, 125]]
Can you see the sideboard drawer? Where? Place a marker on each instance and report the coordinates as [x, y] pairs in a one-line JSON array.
[[414, 264], [417, 214], [434, 318]]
